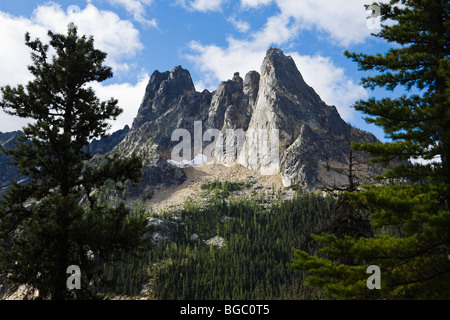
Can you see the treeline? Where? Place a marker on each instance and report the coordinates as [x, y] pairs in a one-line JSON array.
[[252, 263]]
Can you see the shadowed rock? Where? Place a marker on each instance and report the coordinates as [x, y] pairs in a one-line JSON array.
[[313, 138]]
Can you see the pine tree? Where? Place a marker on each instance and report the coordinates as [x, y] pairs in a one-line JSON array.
[[45, 226], [410, 207], [347, 218]]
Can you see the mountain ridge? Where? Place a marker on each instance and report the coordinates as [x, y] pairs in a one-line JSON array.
[[313, 138], [311, 148]]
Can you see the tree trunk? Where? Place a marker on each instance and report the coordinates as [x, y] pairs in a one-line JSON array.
[[61, 276]]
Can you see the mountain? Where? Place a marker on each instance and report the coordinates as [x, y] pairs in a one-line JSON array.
[[105, 145], [8, 140], [271, 122], [8, 172], [274, 121]]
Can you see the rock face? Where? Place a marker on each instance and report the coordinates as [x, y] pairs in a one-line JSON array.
[[280, 126], [312, 135], [161, 230], [105, 145], [270, 121]]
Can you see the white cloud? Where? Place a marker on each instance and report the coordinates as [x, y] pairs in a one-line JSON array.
[[278, 30], [241, 55], [328, 80], [15, 58], [137, 9], [117, 37], [129, 96], [14, 55], [219, 64], [201, 5], [254, 3], [345, 21], [330, 83], [240, 25]]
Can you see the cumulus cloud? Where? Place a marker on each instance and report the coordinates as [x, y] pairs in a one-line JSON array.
[[129, 96], [137, 9], [117, 37], [240, 25], [14, 56], [218, 63], [345, 21], [327, 79], [243, 55]]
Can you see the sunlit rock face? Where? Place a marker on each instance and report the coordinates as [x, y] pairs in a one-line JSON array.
[[270, 121]]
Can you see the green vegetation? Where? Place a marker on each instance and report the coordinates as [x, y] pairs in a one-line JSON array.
[[252, 263], [59, 217], [410, 209], [309, 247], [225, 186]]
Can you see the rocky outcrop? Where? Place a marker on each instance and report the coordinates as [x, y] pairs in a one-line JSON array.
[[279, 125], [105, 145], [283, 125], [162, 230], [312, 135]]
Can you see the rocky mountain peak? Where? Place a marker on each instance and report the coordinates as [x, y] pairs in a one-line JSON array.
[[281, 70], [280, 73], [180, 81], [162, 90], [237, 78], [312, 139], [284, 130], [276, 60]]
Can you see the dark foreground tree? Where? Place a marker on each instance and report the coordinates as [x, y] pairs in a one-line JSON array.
[[54, 220], [410, 208]]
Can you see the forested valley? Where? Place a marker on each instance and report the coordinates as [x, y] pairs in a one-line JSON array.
[[251, 263]]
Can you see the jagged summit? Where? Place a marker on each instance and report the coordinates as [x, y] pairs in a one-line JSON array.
[[283, 74], [310, 146], [281, 68], [161, 90], [313, 138]]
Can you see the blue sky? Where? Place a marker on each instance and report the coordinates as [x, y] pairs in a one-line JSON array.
[[211, 38]]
